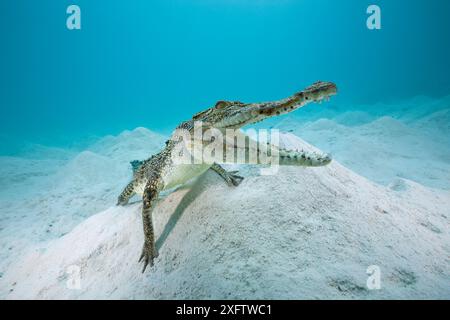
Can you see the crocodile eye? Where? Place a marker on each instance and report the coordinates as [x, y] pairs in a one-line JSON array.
[[222, 104]]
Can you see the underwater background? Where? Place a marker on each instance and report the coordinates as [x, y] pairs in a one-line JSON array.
[[155, 63]]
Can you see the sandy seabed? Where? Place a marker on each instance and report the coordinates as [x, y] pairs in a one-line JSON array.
[[303, 233]]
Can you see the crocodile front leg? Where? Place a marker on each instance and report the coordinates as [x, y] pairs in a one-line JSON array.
[[126, 194], [151, 192], [229, 176]]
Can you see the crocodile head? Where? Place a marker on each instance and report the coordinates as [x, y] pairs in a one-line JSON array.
[[235, 114]]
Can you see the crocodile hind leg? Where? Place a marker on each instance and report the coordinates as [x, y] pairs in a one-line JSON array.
[[151, 192], [126, 194], [229, 176]]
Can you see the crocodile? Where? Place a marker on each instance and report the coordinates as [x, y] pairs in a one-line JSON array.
[[161, 172]]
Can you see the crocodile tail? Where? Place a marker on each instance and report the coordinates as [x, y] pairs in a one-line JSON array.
[[282, 157], [254, 154], [303, 158], [136, 164]]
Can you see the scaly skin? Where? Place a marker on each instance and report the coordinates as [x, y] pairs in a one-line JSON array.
[[160, 172]]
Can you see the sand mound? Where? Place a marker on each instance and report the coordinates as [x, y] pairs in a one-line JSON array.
[[302, 233]]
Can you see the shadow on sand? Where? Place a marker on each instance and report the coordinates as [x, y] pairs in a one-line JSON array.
[[197, 188]]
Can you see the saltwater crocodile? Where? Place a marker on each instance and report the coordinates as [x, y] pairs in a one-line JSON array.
[[162, 172]]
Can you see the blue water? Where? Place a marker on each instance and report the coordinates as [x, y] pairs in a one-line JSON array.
[[155, 63]]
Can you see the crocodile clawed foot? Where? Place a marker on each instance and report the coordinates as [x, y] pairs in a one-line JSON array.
[[148, 255], [234, 179]]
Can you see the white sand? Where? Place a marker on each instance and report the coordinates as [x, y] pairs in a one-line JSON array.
[[303, 233]]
